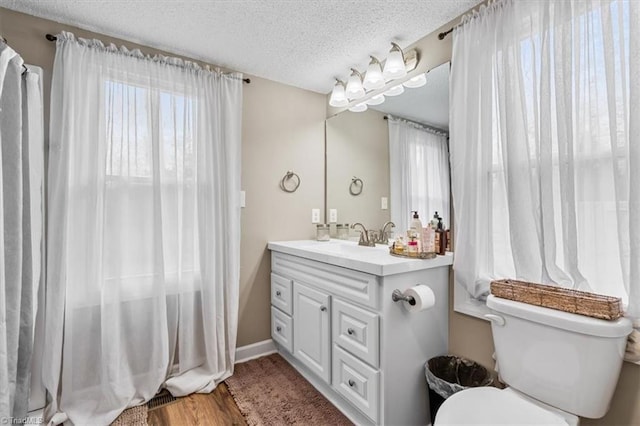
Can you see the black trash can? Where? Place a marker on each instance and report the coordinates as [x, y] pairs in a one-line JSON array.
[[449, 374]]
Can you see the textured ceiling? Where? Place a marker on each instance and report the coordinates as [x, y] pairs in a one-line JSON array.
[[428, 104], [304, 43]]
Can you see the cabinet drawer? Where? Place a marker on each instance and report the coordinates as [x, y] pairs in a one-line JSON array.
[[281, 293], [346, 283], [356, 382], [356, 330], [282, 329]]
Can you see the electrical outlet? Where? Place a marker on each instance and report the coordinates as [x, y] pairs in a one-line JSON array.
[[333, 215], [315, 215], [384, 203]]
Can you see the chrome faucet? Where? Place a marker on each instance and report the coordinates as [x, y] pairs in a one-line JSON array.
[[384, 234], [364, 236]]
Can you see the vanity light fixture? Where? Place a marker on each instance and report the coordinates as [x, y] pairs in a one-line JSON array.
[[375, 100], [373, 79], [354, 85], [417, 81], [338, 95], [394, 67], [395, 90], [359, 107]]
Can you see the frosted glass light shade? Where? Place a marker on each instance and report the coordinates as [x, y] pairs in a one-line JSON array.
[[359, 107], [394, 67], [417, 81], [354, 86], [376, 100], [373, 79], [338, 96], [395, 90]]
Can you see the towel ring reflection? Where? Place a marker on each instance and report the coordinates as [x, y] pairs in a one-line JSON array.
[[355, 188], [290, 176]]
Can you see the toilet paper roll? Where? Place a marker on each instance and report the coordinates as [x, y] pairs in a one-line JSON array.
[[423, 296]]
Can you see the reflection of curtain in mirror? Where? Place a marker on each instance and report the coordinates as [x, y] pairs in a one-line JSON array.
[[545, 100], [419, 173], [144, 229]]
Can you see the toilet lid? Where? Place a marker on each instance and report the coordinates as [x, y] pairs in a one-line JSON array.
[[492, 406]]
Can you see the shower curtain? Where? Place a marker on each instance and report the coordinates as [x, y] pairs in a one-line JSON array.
[[144, 212], [21, 225]]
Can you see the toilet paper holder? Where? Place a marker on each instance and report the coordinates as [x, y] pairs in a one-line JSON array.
[[398, 296]]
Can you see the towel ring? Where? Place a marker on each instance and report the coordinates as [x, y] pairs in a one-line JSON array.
[[288, 177], [355, 188]]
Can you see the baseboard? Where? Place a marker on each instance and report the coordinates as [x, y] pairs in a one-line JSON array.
[[255, 350]]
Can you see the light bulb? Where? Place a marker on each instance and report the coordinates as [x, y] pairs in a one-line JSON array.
[[338, 96], [376, 100], [394, 66], [354, 85], [359, 107], [373, 79], [395, 90], [417, 81]]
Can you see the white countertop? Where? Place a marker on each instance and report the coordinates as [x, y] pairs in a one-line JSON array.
[[348, 254]]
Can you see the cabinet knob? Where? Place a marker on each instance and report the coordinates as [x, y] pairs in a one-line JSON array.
[[278, 328], [352, 383], [278, 293], [350, 331], [323, 308]]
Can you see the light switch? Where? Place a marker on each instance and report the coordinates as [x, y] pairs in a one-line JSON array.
[[333, 215], [384, 203], [243, 200], [315, 215]]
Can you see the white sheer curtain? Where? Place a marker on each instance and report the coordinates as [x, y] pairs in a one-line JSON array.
[[545, 146], [21, 226], [419, 172], [143, 265]]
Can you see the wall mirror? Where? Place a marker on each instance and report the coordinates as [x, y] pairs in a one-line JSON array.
[[390, 183]]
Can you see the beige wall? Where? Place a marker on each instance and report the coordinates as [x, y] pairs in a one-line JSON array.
[[358, 145], [283, 129]]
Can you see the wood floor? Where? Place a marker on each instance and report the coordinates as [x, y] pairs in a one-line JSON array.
[[216, 408]]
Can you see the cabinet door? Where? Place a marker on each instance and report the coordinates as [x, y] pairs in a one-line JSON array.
[[312, 331]]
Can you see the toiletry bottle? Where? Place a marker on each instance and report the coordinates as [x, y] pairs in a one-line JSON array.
[[416, 228], [434, 221], [398, 246], [428, 239], [442, 243], [413, 247]]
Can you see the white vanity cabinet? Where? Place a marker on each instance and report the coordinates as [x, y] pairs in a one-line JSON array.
[[333, 319]]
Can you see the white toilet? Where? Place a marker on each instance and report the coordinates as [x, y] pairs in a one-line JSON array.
[[558, 366]]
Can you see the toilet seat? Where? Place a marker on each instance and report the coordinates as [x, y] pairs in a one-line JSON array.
[[492, 406]]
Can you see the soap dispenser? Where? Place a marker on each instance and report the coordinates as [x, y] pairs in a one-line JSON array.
[[416, 229]]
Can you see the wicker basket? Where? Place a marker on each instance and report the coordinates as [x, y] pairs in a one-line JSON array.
[[562, 299]]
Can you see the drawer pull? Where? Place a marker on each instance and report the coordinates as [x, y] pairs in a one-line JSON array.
[[278, 293], [351, 383], [323, 308], [278, 328], [350, 331]]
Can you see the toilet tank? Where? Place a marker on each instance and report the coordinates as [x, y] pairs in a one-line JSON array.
[[571, 362]]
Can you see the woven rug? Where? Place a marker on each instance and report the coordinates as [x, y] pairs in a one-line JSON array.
[[134, 416], [269, 391]]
